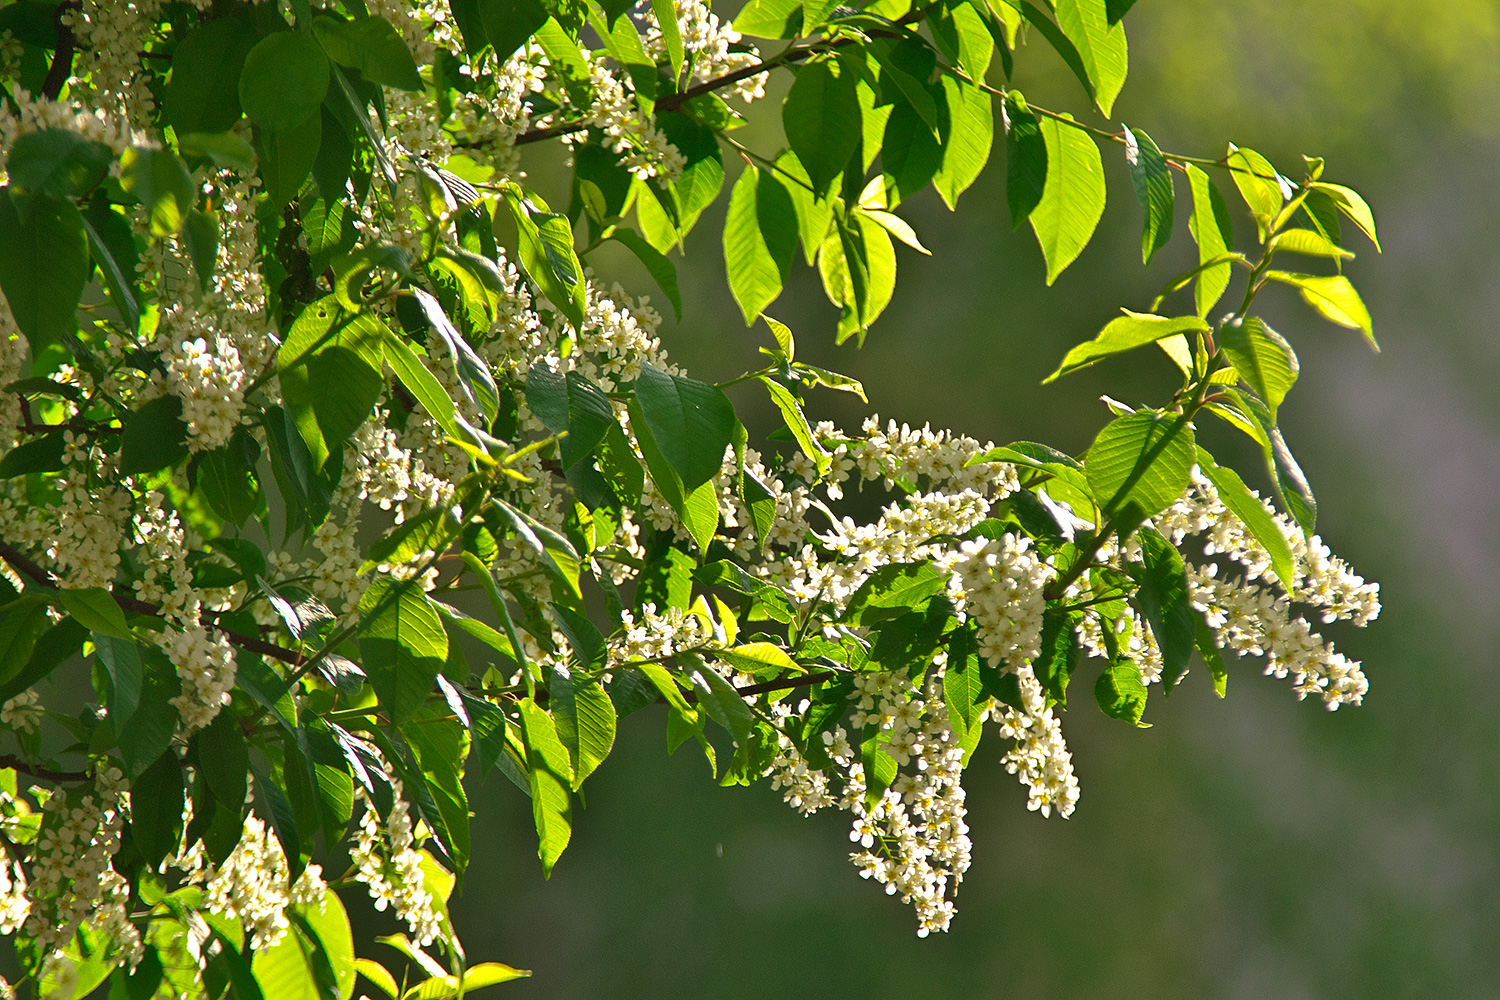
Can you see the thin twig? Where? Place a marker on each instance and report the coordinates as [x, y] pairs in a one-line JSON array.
[[45, 773]]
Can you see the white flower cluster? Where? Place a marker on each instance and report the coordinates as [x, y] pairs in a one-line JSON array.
[[111, 35], [913, 836], [22, 712], [387, 861], [71, 877], [206, 374], [254, 884], [656, 636], [998, 583], [1040, 757], [1248, 618], [643, 147], [706, 45]]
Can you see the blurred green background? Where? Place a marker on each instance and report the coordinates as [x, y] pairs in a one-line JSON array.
[[1249, 848]]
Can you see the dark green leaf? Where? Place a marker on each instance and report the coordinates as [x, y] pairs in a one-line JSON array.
[[372, 46], [569, 403], [661, 269], [691, 423], [1055, 663], [1152, 181], [1164, 600], [1120, 693], [44, 265], [331, 372], [1025, 160], [154, 437], [822, 120], [203, 94], [284, 79], [156, 797], [404, 645], [57, 163]]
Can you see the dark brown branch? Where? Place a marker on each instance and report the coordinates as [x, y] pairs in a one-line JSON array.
[[45, 773], [62, 56], [245, 642], [786, 683]]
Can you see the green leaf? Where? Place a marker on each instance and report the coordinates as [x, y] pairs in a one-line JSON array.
[[284, 80], [1163, 599], [55, 645], [202, 238], [1208, 649], [661, 269], [44, 266], [1058, 658], [331, 369], [41, 454], [473, 371], [1258, 184], [1262, 357], [156, 797], [1308, 242], [691, 423], [22, 622], [1025, 159], [1120, 693], [1072, 200], [557, 554], [585, 721], [96, 610], [223, 149], [1139, 465], [1214, 234], [813, 213], [287, 156], [121, 288], [154, 436], [1334, 297], [1100, 45], [57, 163], [911, 90], [314, 959], [770, 18], [475, 977], [796, 422], [760, 238], [404, 645], [160, 180], [420, 382], [892, 591], [547, 254], [202, 94], [1352, 206], [376, 974], [441, 744], [723, 703], [508, 24], [762, 504], [550, 775], [372, 46], [1152, 181], [569, 403], [761, 659], [223, 757], [822, 119], [971, 133], [1252, 513], [145, 734], [1126, 333]]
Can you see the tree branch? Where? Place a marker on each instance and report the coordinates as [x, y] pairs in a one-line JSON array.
[[62, 56], [45, 773], [246, 642]]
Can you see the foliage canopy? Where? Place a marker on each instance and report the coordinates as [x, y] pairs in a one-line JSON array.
[[332, 469]]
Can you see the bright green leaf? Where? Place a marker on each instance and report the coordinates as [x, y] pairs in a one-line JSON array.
[[1126, 333], [1073, 198]]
